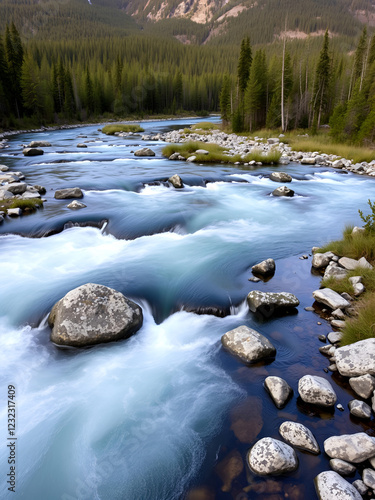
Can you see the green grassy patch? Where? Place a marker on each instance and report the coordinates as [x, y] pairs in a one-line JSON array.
[[353, 246], [26, 205], [121, 127], [205, 126], [363, 325], [218, 154]]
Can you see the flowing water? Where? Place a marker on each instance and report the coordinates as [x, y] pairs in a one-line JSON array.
[[150, 418]]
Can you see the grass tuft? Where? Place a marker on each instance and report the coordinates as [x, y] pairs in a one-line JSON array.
[[121, 127], [205, 126], [31, 204], [353, 246], [363, 325]]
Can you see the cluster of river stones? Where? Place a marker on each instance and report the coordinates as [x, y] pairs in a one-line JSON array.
[[93, 314]]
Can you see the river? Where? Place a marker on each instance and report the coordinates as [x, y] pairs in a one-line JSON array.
[[150, 418]]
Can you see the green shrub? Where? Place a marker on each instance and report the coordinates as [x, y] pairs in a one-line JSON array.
[[369, 219], [121, 127]]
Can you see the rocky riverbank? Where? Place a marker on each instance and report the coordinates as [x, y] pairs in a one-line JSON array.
[[240, 145]]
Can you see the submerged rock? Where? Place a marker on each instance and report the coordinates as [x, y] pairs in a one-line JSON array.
[[356, 359], [33, 152], [248, 344], [272, 457], [65, 194], [300, 436], [279, 390], [269, 303], [316, 390], [91, 314], [331, 486], [265, 267], [229, 468], [354, 448]]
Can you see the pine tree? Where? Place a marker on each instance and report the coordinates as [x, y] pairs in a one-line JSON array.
[[225, 99], [322, 82], [14, 59], [244, 65]]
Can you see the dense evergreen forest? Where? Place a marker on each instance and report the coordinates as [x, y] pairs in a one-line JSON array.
[[288, 84]]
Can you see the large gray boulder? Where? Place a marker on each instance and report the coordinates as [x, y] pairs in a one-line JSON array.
[[272, 457], [320, 260], [333, 270], [354, 448], [248, 344], [92, 314], [144, 152], [283, 191], [16, 187], [348, 263], [265, 267], [356, 359], [280, 177], [68, 193], [330, 298], [299, 436], [279, 390], [33, 152], [364, 385], [316, 390], [331, 486], [269, 303]]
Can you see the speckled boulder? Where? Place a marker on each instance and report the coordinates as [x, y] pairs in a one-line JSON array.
[[354, 448], [279, 390], [269, 303], [331, 486], [299, 436], [356, 359], [272, 457], [248, 344], [92, 314], [316, 390]]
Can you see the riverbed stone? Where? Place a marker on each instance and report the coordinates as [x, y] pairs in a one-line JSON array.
[[299, 436], [368, 477], [353, 448], [341, 467], [358, 288], [280, 177], [273, 140], [269, 303], [39, 144], [321, 260], [283, 191], [356, 359], [338, 323], [74, 205], [202, 152], [16, 187], [330, 298], [363, 386], [248, 344], [316, 390], [92, 314], [65, 194], [272, 457], [348, 263], [333, 270], [359, 409], [229, 468], [358, 230], [81, 145], [331, 486], [144, 152], [14, 212], [363, 262], [279, 390], [176, 181], [33, 152], [265, 267], [334, 337], [360, 486], [308, 160]]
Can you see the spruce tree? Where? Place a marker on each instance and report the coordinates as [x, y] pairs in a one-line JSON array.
[[244, 65], [322, 82], [225, 99]]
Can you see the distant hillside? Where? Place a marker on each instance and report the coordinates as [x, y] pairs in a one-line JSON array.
[[188, 21]]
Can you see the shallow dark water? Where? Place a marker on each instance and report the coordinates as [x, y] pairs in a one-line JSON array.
[[151, 417]]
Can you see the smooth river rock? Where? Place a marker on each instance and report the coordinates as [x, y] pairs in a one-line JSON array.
[[283, 191], [92, 314], [354, 448], [359, 409], [363, 386], [280, 177], [65, 194], [279, 390], [356, 359], [320, 260], [176, 181], [341, 467], [368, 477], [272, 457], [299, 436], [39, 144], [268, 303], [330, 298], [331, 486], [75, 205], [248, 344], [33, 152], [316, 390], [265, 267], [144, 152]]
